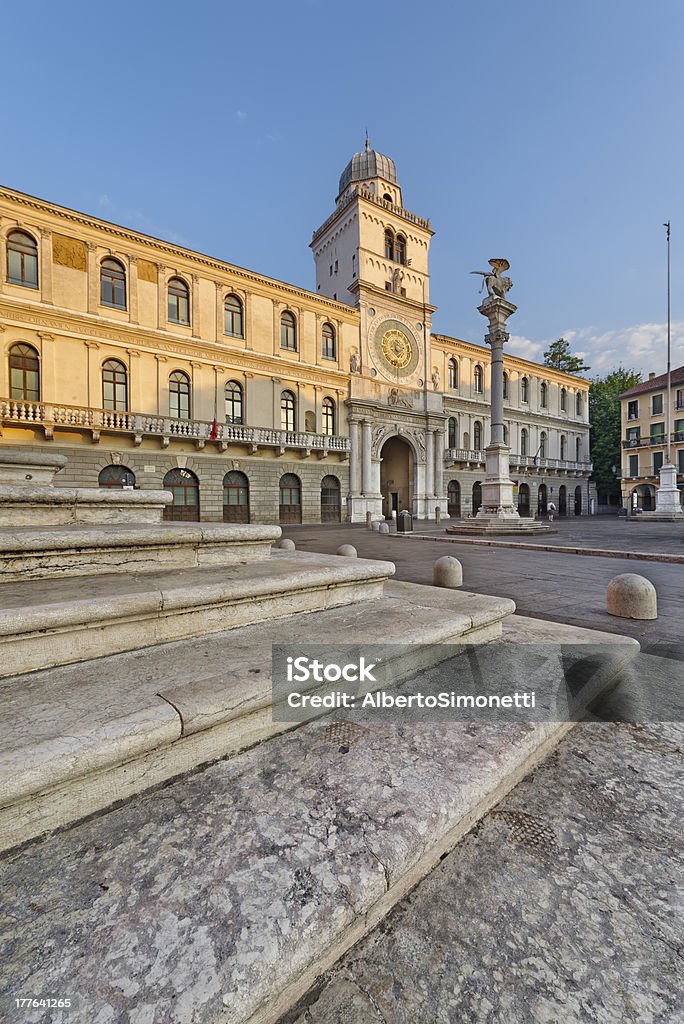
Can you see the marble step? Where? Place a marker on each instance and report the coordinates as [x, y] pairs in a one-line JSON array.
[[60, 552], [223, 896], [77, 738], [48, 622]]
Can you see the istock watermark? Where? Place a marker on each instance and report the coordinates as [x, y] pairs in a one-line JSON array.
[[496, 682]]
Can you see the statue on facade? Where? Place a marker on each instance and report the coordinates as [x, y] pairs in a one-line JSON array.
[[496, 284], [397, 278], [355, 362], [435, 379]]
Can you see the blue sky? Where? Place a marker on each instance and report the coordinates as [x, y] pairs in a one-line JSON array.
[[549, 133]]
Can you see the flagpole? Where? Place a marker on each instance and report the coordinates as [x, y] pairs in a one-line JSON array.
[[668, 426]]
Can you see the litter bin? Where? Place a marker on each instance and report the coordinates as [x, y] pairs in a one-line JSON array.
[[404, 522]]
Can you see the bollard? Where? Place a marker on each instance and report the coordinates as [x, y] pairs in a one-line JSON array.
[[347, 551], [285, 544], [438, 515], [383, 528], [369, 520], [631, 596], [375, 525], [447, 572]]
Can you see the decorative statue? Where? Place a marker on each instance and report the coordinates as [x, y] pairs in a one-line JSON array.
[[355, 363], [397, 278], [435, 379], [497, 286]]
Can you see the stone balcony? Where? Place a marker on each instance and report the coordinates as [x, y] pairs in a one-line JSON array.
[[141, 426], [469, 457]]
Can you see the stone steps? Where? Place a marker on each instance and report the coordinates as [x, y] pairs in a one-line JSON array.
[[80, 550], [48, 622], [77, 738], [222, 896]]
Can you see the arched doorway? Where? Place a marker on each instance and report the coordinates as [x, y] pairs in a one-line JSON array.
[[524, 500], [578, 500], [477, 496], [396, 476], [454, 499], [235, 498], [542, 500], [290, 500], [562, 500], [116, 477], [330, 500], [184, 486], [643, 497]]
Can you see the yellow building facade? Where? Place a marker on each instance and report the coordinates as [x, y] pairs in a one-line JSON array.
[[150, 365], [644, 438]]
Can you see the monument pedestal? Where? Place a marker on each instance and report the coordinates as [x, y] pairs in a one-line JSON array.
[[668, 498]]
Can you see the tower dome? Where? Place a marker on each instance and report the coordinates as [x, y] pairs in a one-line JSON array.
[[365, 165]]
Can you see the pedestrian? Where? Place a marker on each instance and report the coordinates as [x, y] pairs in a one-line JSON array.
[[550, 508]]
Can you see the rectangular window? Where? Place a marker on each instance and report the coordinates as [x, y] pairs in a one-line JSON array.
[[633, 410], [633, 436], [680, 461], [634, 465], [657, 462], [679, 403], [657, 433], [656, 405], [679, 430]]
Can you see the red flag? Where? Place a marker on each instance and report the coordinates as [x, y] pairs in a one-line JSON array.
[[214, 431]]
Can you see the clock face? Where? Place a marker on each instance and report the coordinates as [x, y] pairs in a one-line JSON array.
[[396, 349]]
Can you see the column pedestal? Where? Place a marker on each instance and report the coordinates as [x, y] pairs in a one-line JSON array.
[[668, 501]]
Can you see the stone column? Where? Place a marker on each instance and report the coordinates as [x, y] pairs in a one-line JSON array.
[[354, 463], [48, 376], [195, 310], [497, 490], [45, 280], [93, 279], [162, 306], [429, 470], [367, 468], [133, 289], [439, 463]]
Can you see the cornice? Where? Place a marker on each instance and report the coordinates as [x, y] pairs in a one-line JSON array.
[[92, 330], [128, 234], [539, 369]]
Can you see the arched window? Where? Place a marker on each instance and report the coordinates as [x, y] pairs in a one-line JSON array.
[[524, 500], [400, 249], [524, 390], [24, 370], [179, 395], [563, 399], [505, 385], [184, 486], [288, 409], [477, 436], [114, 385], [563, 445], [578, 404], [328, 342], [179, 301], [542, 445], [234, 411], [544, 395], [478, 380], [578, 449], [387, 197], [524, 443], [112, 284], [290, 499], [331, 500], [477, 496], [453, 374], [328, 416], [454, 499], [235, 498], [116, 477], [389, 244], [22, 259], [232, 317], [288, 331], [452, 431]]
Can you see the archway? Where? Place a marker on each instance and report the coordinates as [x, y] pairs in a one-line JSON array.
[[524, 500], [184, 486], [643, 497], [562, 500], [454, 499], [396, 476], [578, 500], [542, 500], [116, 477], [290, 500], [235, 498], [330, 500], [477, 496]]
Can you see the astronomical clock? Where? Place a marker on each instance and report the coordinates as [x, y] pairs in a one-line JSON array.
[[395, 350]]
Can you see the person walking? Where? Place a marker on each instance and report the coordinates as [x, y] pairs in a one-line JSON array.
[[550, 509]]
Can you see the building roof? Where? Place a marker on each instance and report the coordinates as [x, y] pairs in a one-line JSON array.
[[368, 164], [655, 383]]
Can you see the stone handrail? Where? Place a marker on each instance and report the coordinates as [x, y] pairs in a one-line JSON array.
[[527, 461]]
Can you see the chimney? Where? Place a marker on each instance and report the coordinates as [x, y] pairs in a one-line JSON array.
[[651, 376]]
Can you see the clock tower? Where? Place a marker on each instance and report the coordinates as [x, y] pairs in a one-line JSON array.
[[372, 253]]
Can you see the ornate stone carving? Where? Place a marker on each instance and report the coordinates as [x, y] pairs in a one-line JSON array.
[[496, 284]]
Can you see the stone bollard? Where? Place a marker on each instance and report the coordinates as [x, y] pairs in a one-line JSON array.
[[631, 597], [285, 544], [438, 515], [447, 572], [375, 525], [369, 520], [383, 528], [347, 551]]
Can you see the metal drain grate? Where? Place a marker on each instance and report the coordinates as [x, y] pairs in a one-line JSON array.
[[529, 831], [344, 733]]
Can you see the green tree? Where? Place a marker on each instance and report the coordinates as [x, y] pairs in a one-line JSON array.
[[605, 433], [560, 357]]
